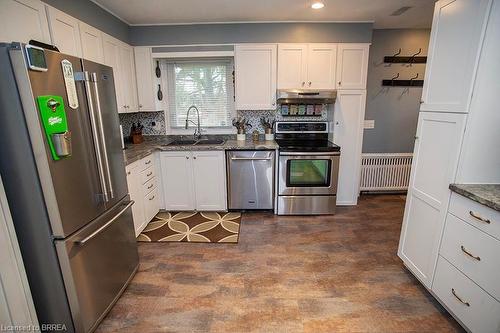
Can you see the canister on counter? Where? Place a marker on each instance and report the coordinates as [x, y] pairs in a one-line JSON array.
[[294, 109], [302, 109], [284, 109], [318, 109], [310, 110]]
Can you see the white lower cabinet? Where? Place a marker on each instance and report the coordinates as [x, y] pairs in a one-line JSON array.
[[435, 157], [477, 310], [194, 180], [143, 189]]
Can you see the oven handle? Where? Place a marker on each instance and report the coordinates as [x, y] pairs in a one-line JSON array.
[[310, 154]]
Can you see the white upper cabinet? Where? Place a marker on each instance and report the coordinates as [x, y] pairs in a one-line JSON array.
[[127, 76], [322, 59], [255, 71], [111, 54], [435, 158], [23, 20], [144, 76], [65, 32], [454, 48], [91, 39], [292, 66], [306, 66], [352, 66]]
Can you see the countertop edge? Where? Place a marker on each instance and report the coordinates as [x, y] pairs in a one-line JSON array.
[[491, 202]]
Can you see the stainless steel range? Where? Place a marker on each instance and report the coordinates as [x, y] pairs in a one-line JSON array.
[[308, 169]]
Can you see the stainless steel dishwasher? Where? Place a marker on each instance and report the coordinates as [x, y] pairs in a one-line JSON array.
[[250, 176]]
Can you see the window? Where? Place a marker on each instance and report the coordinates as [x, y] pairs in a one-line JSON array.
[[207, 84]]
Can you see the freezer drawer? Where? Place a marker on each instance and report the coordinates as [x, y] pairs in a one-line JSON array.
[[250, 179], [97, 263]]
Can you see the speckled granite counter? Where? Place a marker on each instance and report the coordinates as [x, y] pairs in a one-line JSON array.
[[486, 194], [160, 142]]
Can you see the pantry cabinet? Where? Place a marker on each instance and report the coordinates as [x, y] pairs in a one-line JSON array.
[[65, 32], [435, 158], [306, 66], [454, 47], [144, 75], [91, 39], [194, 180], [255, 76], [23, 20], [142, 181], [111, 54], [352, 65]]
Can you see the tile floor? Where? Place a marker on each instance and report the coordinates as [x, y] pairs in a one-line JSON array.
[[287, 274]]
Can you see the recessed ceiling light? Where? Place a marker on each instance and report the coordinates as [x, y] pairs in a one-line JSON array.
[[317, 5]]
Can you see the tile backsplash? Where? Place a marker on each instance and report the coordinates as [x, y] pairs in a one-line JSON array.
[[153, 122]]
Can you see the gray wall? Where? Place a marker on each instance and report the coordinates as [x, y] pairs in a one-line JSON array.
[[92, 14], [394, 109], [250, 33]]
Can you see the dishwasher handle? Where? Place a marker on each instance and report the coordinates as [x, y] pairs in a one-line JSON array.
[[251, 158]]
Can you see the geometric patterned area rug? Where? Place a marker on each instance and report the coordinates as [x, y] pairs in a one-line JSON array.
[[199, 227]]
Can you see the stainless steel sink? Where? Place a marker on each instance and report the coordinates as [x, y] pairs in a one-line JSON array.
[[192, 142], [210, 142]]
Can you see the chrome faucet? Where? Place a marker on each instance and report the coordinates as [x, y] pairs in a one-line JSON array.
[[197, 131]]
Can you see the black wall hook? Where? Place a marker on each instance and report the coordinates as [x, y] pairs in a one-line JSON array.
[[413, 59]]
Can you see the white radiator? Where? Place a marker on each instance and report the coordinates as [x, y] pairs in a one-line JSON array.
[[385, 172]]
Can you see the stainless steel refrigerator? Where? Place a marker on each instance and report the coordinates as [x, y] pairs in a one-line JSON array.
[[62, 162]]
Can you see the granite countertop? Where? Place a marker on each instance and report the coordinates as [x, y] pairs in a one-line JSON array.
[[486, 194], [135, 152]]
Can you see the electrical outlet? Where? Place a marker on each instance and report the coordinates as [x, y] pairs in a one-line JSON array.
[[369, 123]]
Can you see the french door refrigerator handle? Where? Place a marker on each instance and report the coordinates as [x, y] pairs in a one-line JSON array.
[[93, 122], [101, 130], [98, 231]]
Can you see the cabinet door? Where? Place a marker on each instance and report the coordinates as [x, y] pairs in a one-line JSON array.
[[136, 194], [65, 32], [144, 78], [454, 46], [127, 68], [349, 112], [111, 53], [177, 180], [292, 66], [435, 158], [91, 43], [23, 20], [321, 63], [352, 66], [209, 172], [255, 71]]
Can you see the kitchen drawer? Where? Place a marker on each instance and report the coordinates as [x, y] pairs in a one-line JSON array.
[[151, 205], [147, 174], [478, 215], [466, 300], [473, 252], [147, 161], [149, 186]]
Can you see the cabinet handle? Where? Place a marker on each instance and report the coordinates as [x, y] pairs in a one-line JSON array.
[[303, 84], [150, 186], [149, 174], [458, 297], [482, 219], [309, 83], [464, 250], [416, 137], [187, 157], [147, 162], [340, 83], [194, 157], [151, 198], [140, 105], [421, 101], [128, 172]]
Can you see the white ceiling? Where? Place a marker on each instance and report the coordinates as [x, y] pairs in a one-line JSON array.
[[149, 12]]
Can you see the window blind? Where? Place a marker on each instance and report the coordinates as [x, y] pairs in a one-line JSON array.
[[207, 84]]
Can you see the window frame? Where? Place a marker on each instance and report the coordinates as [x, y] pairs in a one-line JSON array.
[[204, 130]]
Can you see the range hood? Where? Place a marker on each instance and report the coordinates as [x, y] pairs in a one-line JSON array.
[[306, 96]]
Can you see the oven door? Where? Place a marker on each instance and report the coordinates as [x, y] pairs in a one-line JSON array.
[[308, 173]]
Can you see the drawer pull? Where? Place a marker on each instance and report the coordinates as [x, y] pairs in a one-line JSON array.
[[150, 186], [149, 174], [147, 162], [464, 250], [151, 198], [482, 219], [458, 297]]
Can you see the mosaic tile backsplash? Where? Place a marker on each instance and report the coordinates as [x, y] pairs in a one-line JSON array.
[[153, 122], [147, 119]]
